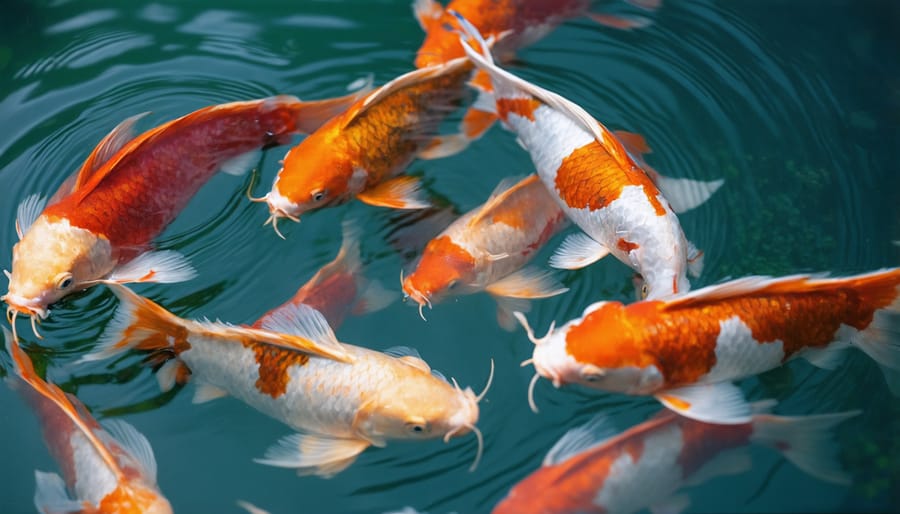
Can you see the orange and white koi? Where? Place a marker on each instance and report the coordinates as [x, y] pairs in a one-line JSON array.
[[363, 152], [686, 350], [101, 222], [597, 183], [339, 288], [339, 397], [108, 469], [597, 468], [486, 249], [513, 24]]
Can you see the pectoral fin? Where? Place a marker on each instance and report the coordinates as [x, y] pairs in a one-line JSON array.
[[402, 192], [164, 267], [527, 283], [238, 166], [577, 251], [206, 392], [316, 454], [722, 403]]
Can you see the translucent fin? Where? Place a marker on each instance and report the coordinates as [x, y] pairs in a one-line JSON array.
[[304, 321], [135, 443], [374, 298], [402, 192], [427, 12], [881, 341], [164, 267], [28, 212], [240, 165], [527, 283], [806, 441], [167, 375], [729, 462], [206, 392], [117, 138], [444, 146], [684, 194], [321, 455], [402, 351], [694, 260], [621, 22], [828, 357], [579, 439], [722, 403], [506, 309], [671, 505], [50, 494], [577, 251]]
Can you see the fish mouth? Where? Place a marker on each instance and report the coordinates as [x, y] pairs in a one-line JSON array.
[[17, 305], [419, 297], [274, 215]]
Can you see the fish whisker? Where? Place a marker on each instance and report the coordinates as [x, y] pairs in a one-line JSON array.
[[12, 323], [8, 274], [421, 313], [526, 362], [250, 188], [274, 217], [480, 451], [531, 385], [34, 322], [528, 330], [488, 385]]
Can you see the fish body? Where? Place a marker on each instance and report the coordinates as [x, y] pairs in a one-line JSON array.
[[341, 398], [360, 153], [686, 350], [106, 469], [487, 248], [100, 224], [599, 186], [595, 468]]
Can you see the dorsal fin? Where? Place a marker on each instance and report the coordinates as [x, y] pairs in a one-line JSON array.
[[591, 434], [108, 146], [506, 188], [135, 443], [24, 369], [405, 80]]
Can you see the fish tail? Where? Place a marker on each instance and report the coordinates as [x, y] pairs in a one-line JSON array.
[[348, 256], [880, 340], [139, 323], [807, 441]]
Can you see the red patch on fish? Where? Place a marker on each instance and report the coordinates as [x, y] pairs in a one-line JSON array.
[[591, 177], [274, 363], [626, 246], [524, 107]]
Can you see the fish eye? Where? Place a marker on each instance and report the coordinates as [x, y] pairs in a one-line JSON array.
[[644, 291], [417, 427], [64, 281], [319, 195], [592, 373], [452, 283]]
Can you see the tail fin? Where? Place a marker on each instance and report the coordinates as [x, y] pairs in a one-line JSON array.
[[807, 441], [881, 339], [313, 114]]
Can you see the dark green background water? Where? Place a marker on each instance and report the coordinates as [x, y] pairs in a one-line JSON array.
[[796, 104]]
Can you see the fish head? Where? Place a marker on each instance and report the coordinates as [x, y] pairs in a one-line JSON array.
[[663, 265], [54, 259], [138, 498], [445, 268]]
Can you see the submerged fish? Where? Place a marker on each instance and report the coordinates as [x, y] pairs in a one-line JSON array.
[[339, 288], [100, 223], [513, 24], [106, 469], [596, 182], [596, 468], [363, 152], [341, 398], [486, 249], [686, 350]]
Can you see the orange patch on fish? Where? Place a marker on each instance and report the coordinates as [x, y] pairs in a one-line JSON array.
[[676, 402], [274, 364], [626, 246], [476, 122], [524, 107], [591, 177]]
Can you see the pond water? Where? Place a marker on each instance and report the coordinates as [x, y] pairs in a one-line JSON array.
[[795, 104]]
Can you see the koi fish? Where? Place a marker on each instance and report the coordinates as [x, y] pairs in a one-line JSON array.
[[597, 183], [513, 24], [686, 350], [100, 223], [340, 398], [486, 249], [108, 468], [596, 468], [339, 288], [363, 152]]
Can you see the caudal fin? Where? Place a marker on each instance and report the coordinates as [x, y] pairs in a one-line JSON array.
[[881, 339], [806, 441]]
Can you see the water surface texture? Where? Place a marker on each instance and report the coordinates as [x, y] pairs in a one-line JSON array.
[[795, 104]]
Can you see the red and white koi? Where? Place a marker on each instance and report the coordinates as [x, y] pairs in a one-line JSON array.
[[598, 185], [362, 152], [100, 223], [341, 398], [513, 24], [339, 288], [486, 249], [107, 469], [597, 468], [685, 351]]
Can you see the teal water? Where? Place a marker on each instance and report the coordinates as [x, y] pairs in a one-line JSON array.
[[795, 104]]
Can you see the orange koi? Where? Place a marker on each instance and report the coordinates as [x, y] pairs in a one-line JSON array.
[[362, 152], [337, 289], [513, 24], [685, 351], [106, 469], [101, 223], [599, 186], [340, 398], [486, 249], [597, 468]]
